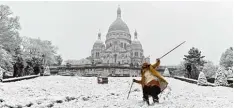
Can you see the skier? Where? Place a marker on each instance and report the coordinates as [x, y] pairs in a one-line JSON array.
[[150, 81]]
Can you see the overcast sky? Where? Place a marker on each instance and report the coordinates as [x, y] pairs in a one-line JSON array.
[[73, 26]]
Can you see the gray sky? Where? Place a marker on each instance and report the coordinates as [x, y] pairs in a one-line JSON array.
[[73, 26]]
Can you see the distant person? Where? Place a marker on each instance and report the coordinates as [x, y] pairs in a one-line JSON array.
[[37, 69], [150, 81]]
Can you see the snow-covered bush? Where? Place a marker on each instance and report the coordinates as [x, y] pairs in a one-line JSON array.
[[166, 73], [180, 71], [202, 79], [209, 69], [47, 71], [230, 72], [226, 59], [221, 77], [5, 59]]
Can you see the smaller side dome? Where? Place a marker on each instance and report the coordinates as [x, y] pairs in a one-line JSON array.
[[98, 43], [136, 43]]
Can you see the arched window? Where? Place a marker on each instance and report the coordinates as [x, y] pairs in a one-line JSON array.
[[124, 45], [121, 45], [136, 54], [97, 54]]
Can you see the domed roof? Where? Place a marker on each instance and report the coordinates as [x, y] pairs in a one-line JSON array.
[[136, 44], [118, 24], [99, 42]]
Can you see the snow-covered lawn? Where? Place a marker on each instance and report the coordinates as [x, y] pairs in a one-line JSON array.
[[78, 92]]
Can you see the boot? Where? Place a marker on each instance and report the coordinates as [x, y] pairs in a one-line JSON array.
[[156, 100], [147, 101]]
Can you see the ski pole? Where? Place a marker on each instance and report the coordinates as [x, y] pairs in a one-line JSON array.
[[130, 89], [172, 50]]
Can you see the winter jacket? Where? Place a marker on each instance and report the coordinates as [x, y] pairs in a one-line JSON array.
[[156, 81]]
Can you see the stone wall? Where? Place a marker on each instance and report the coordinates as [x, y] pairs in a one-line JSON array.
[[89, 71], [102, 71]]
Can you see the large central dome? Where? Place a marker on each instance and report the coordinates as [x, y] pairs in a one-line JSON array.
[[118, 24]]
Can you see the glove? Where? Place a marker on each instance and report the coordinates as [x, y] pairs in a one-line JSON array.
[[165, 82], [158, 60], [134, 80]]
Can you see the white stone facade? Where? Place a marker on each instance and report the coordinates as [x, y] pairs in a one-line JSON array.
[[118, 48]]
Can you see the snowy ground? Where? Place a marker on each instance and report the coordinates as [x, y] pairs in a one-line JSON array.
[[79, 92]]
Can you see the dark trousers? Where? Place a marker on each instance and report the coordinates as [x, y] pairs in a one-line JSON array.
[[152, 91]]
